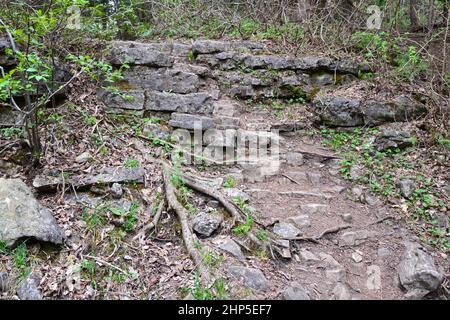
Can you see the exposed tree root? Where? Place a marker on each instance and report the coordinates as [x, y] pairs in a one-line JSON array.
[[318, 237], [228, 205], [185, 229], [154, 221], [235, 212]]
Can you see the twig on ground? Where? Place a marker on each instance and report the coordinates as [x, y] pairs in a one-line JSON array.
[[154, 221], [318, 237]]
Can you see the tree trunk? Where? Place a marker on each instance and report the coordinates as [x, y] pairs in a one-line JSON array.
[[413, 15]]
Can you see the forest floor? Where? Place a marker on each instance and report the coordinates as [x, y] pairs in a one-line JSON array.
[[107, 256]]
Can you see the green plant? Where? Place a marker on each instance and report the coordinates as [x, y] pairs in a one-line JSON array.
[[216, 292], [3, 247], [131, 163], [93, 217], [88, 271], [229, 182], [243, 228], [129, 216], [261, 234], [211, 258], [20, 259]]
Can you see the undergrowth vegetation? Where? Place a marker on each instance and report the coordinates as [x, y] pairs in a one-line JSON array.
[[382, 171]]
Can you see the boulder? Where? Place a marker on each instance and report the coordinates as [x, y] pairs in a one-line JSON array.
[[339, 111], [29, 288], [417, 272], [206, 224], [392, 139], [22, 216], [137, 53], [252, 278], [348, 112], [295, 291]]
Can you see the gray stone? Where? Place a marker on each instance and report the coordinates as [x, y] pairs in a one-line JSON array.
[[347, 217], [128, 99], [339, 111], [301, 221], [314, 208], [268, 62], [205, 224], [190, 122], [336, 274], [226, 123], [352, 238], [137, 53], [230, 246], [253, 278], [399, 109], [213, 204], [328, 260], [417, 272], [29, 288], [442, 220], [116, 191], [192, 103], [357, 192], [242, 91], [109, 175], [286, 230], [294, 158], [406, 187], [308, 257], [383, 252], [356, 172], [284, 248], [368, 199], [341, 292], [348, 112], [225, 107], [236, 193], [392, 139], [84, 157], [295, 291], [322, 78], [22, 216], [156, 130], [9, 116], [169, 80], [357, 257], [4, 282], [210, 46]]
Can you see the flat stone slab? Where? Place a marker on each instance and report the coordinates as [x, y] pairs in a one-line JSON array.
[[22, 216], [286, 230], [110, 175], [253, 278], [230, 246], [137, 53]]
